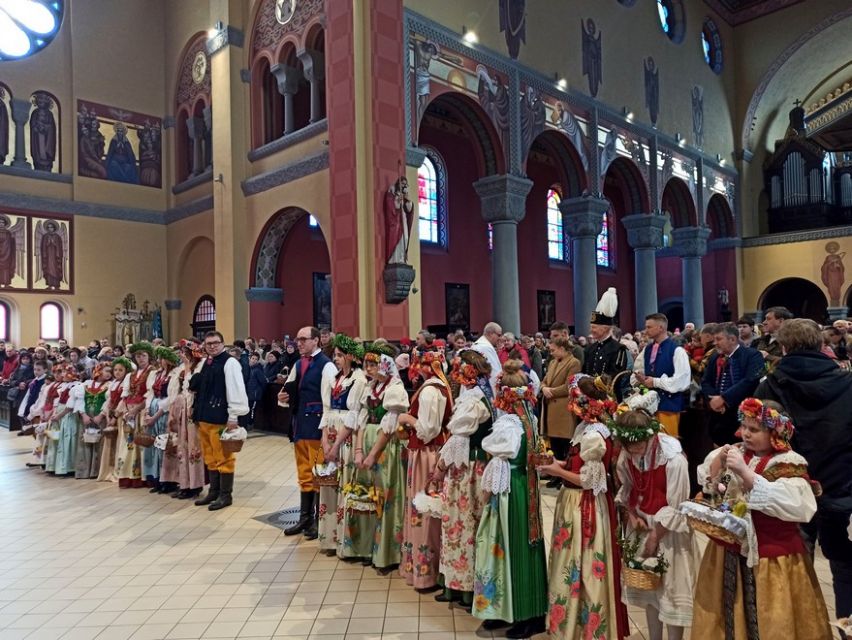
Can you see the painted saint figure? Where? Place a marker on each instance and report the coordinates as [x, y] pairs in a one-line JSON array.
[[833, 272], [4, 127], [10, 246], [121, 160], [51, 243], [43, 133]]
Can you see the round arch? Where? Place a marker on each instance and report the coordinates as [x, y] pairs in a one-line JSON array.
[[720, 218], [802, 297], [673, 310], [264, 267], [458, 108], [677, 201], [624, 175], [554, 146]]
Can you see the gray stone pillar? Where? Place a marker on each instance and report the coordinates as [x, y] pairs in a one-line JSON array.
[[691, 245], [504, 200], [20, 116], [645, 236], [195, 129], [583, 220], [208, 137], [313, 63], [288, 86]]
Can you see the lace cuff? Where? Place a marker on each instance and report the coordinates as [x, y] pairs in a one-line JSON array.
[[495, 478], [593, 476], [456, 452]]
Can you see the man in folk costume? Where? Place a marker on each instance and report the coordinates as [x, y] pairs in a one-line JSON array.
[[664, 367], [220, 399], [304, 385], [605, 355]]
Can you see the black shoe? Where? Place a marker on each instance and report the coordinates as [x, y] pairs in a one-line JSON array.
[[155, 489], [431, 589], [312, 530], [383, 571], [226, 488], [190, 494], [212, 493], [554, 483], [493, 625], [526, 628], [445, 597], [306, 513], [180, 495]]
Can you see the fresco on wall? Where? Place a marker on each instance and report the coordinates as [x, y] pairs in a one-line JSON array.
[[43, 139], [52, 267], [118, 145], [513, 24], [13, 252], [652, 89], [592, 58], [698, 115], [833, 272]]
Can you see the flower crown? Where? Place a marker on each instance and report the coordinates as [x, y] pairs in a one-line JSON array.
[[169, 355], [586, 408], [124, 362], [632, 434], [375, 350], [780, 426], [463, 373], [348, 346], [508, 397]]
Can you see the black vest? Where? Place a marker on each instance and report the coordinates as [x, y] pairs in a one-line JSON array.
[[211, 394]]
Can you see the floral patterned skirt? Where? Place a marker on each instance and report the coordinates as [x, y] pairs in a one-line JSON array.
[[88, 460], [128, 457], [389, 474], [421, 534], [190, 461], [329, 501], [358, 529], [464, 502]]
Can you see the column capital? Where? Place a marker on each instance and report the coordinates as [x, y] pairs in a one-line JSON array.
[[503, 198], [583, 216], [287, 78], [691, 242], [644, 230], [837, 313], [21, 111], [313, 63], [414, 157]]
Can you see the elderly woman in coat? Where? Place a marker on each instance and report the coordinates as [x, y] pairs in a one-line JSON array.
[[557, 421]]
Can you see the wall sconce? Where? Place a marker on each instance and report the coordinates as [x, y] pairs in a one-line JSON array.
[[469, 36], [627, 113], [217, 28], [679, 138]]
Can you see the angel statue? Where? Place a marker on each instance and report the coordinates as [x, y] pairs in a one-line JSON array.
[[51, 249], [13, 250], [399, 216]]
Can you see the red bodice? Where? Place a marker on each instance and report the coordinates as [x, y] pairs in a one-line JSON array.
[[416, 443], [648, 488], [775, 537], [575, 462], [138, 386]]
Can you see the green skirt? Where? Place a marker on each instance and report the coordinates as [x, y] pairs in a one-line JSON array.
[[358, 528], [389, 474]]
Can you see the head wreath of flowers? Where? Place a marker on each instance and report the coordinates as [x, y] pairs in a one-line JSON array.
[[375, 350], [169, 355], [348, 346], [780, 427], [463, 373], [193, 347], [586, 408], [427, 363], [124, 362], [508, 397], [98, 370], [143, 346], [628, 434]]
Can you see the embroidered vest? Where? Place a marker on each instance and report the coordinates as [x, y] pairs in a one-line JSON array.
[[664, 365]]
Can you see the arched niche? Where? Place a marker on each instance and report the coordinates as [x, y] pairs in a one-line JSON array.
[[802, 297]]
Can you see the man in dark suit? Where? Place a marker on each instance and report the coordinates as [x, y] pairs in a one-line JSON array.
[[731, 376]]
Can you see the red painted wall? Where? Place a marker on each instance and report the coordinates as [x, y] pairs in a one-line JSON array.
[[620, 275], [720, 272], [669, 278]]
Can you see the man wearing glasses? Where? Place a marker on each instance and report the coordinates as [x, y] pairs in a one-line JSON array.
[[305, 384], [487, 345], [220, 398]]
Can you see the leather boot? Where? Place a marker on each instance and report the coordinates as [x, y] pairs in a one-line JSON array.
[[226, 487], [312, 533], [212, 492], [306, 512]]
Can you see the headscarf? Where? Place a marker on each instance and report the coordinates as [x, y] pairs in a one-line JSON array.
[[780, 427], [428, 364]]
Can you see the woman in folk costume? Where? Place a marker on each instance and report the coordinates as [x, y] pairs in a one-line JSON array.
[[765, 588], [425, 427], [113, 419], [67, 415], [128, 461], [461, 465], [585, 562], [41, 412], [156, 417], [341, 399], [92, 396], [188, 471], [654, 479], [381, 405], [510, 568]]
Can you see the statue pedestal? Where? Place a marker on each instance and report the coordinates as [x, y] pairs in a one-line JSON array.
[[837, 313], [398, 279]]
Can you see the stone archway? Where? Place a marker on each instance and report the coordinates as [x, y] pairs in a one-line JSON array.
[[802, 297]]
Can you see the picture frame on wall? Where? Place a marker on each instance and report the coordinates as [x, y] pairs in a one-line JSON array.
[[52, 242], [457, 306], [14, 252], [546, 305], [322, 300]]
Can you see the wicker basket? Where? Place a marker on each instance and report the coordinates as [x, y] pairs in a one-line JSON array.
[[360, 507], [28, 430], [712, 530], [640, 579], [143, 439], [329, 480], [91, 436], [541, 459], [231, 446]]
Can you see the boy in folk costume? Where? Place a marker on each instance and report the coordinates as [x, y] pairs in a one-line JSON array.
[[766, 587], [654, 481], [426, 421], [31, 410]]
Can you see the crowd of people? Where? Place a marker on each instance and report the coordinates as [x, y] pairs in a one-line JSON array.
[[429, 458]]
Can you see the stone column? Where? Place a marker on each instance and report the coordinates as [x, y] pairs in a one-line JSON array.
[[645, 236], [208, 137], [195, 129], [583, 220], [313, 63], [288, 86], [504, 200], [20, 116], [691, 245]]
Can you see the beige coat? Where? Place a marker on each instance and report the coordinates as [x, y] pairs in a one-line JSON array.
[[557, 419]]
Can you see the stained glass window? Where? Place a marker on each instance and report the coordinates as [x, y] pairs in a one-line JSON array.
[[27, 27], [312, 222], [602, 245], [51, 321], [430, 208], [705, 46], [555, 228], [490, 237], [663, 12]]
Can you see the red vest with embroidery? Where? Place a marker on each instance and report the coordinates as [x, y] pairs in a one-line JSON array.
[[138, 386], [648, 490], [775, 537], [575, 462]]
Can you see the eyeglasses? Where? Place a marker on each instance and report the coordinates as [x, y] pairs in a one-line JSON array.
[[302, 339], [212, 343]]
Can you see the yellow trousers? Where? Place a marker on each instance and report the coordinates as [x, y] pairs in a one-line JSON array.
[[211, 449], [308, 453], [670, 421]]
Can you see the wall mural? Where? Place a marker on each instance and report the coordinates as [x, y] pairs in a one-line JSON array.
[[513, 24], [4, 123], [43, 140], [134, 152], [35, 253], [592, 59], [652, 89], [533, 115], [833, 272], [698, 115]]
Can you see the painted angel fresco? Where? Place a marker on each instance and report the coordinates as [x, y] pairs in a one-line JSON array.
[[13, 249], [51, 254]]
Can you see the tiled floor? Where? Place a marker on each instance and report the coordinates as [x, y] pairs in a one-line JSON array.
[[83, 560]]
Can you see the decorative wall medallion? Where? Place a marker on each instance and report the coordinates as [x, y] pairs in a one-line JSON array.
[[592, 62], [285, 10], [199, 67]]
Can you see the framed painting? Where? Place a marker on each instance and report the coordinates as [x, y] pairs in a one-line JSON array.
[[14, 251], [322, 300], [457, 305], [52, 241], [546, 304]]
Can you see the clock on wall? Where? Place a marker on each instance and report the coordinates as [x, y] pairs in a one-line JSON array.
[[285, 10]]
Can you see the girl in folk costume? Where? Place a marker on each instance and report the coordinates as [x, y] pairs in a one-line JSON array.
[[381, 405], [461, 465], [585, 563], [188, 470], [168, 376], [510, 567], [113, 419], [128, 461], [654, 478], [41, 413], [765, 588], [91, 396], [67, 415], [425, 430], [341, 399]]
